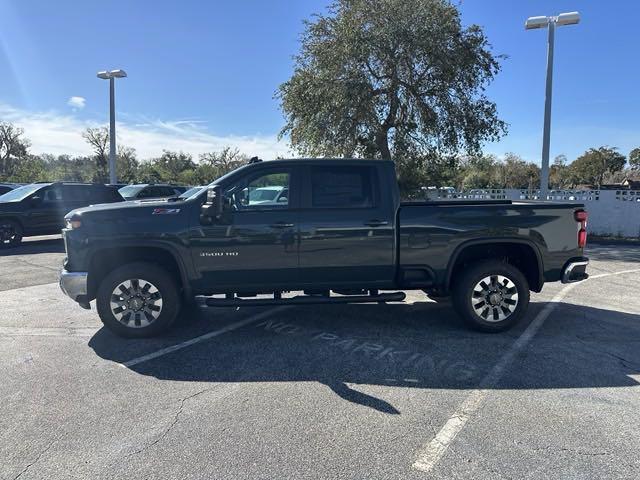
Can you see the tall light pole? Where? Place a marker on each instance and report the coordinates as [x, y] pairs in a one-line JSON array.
[[111, 75], [532, 23]]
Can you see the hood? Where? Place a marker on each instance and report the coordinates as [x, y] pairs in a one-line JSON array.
[[114, 207], [131, 217], [9, 206]]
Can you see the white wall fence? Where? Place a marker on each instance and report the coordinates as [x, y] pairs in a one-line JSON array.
[[611, 212]]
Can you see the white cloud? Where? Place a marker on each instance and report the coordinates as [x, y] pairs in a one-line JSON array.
[[77, 102], [52, 132]]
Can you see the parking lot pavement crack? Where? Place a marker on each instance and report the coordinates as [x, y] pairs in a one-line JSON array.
[[625, 362], [31, 264], [553, 448], [173, 423], [36, 460]]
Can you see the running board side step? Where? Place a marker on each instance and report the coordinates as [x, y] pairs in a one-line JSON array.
[[304, 300]]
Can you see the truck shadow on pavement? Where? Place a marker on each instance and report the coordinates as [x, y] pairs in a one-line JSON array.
[[423, 346]]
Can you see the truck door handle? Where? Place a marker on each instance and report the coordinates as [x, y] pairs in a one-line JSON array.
[[376, 223], [281, 225]]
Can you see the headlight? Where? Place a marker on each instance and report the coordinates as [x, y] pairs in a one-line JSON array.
[[73, 222]]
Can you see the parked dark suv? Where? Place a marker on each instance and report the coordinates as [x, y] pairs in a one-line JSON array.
[[39, 208], [146, 191]]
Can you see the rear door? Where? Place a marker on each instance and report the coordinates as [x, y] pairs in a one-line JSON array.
[[76, 196], [346, 230]]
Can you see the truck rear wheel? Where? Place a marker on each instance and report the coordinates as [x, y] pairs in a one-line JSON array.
[[138, 300], [491, 296]]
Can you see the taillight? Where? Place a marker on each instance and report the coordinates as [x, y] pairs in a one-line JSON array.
[[582, 237], [581, 217]]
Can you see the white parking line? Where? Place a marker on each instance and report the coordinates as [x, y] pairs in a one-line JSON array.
[[432, 452], [201, 338]]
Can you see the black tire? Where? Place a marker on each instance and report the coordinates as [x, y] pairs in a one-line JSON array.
[[437, 296], [478, 306], [10, 233], [141, 322]]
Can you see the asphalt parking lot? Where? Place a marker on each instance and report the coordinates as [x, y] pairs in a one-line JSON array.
[[359, 391]]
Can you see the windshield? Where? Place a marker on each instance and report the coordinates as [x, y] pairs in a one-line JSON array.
[[20, 193], [130, 190], [192, 191], [263, 194]]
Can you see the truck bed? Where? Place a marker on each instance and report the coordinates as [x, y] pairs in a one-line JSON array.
[[431, 233]]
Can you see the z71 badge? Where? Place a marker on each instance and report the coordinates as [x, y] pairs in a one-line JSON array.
[[165, 211]]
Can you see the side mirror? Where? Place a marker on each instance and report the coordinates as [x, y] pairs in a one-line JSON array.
[[35, 200], [212, 208]]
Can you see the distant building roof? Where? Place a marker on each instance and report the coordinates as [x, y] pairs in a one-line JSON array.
[[626, 184], [630, 184]]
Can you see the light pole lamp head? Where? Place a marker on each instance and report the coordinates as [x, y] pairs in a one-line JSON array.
[[533, 23], [570, 18], [118, 73], [106, 75]]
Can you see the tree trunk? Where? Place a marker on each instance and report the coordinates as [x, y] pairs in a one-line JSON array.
[[382, 143]]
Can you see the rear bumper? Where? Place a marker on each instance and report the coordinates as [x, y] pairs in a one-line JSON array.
[[575, 270], [74, 286]]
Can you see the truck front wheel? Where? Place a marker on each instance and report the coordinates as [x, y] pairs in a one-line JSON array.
[[138, 300], [491, 296], [10, 233]]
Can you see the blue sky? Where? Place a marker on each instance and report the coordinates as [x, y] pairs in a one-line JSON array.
[[202, 74]]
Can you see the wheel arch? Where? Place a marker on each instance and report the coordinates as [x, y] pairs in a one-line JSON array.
[[107, 259], [514, 250], [13, 218]]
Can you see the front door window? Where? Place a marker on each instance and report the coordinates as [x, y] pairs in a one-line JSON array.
[[266, 191]]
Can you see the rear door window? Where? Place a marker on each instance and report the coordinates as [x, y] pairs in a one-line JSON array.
[[342, 187], [76, 193], [52, 194], [147, 192]]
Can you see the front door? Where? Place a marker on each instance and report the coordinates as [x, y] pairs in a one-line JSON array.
[[254, 245], [47, 210]]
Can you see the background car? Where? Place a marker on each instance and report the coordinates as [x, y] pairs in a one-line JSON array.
[[7, 187], [39, 208], [191, 192], [145, 191], [271, 195]]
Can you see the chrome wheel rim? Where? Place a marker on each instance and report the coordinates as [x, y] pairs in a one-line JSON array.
[[136, 303], [8, 233], [494, 298]]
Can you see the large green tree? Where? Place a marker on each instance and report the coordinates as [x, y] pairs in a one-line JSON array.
[[594, 164], [398, 79]]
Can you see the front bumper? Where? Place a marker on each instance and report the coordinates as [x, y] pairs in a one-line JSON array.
[[74, 286], [575, 270]]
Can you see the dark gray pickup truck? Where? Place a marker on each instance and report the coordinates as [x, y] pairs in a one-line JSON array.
[[334, 231]]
